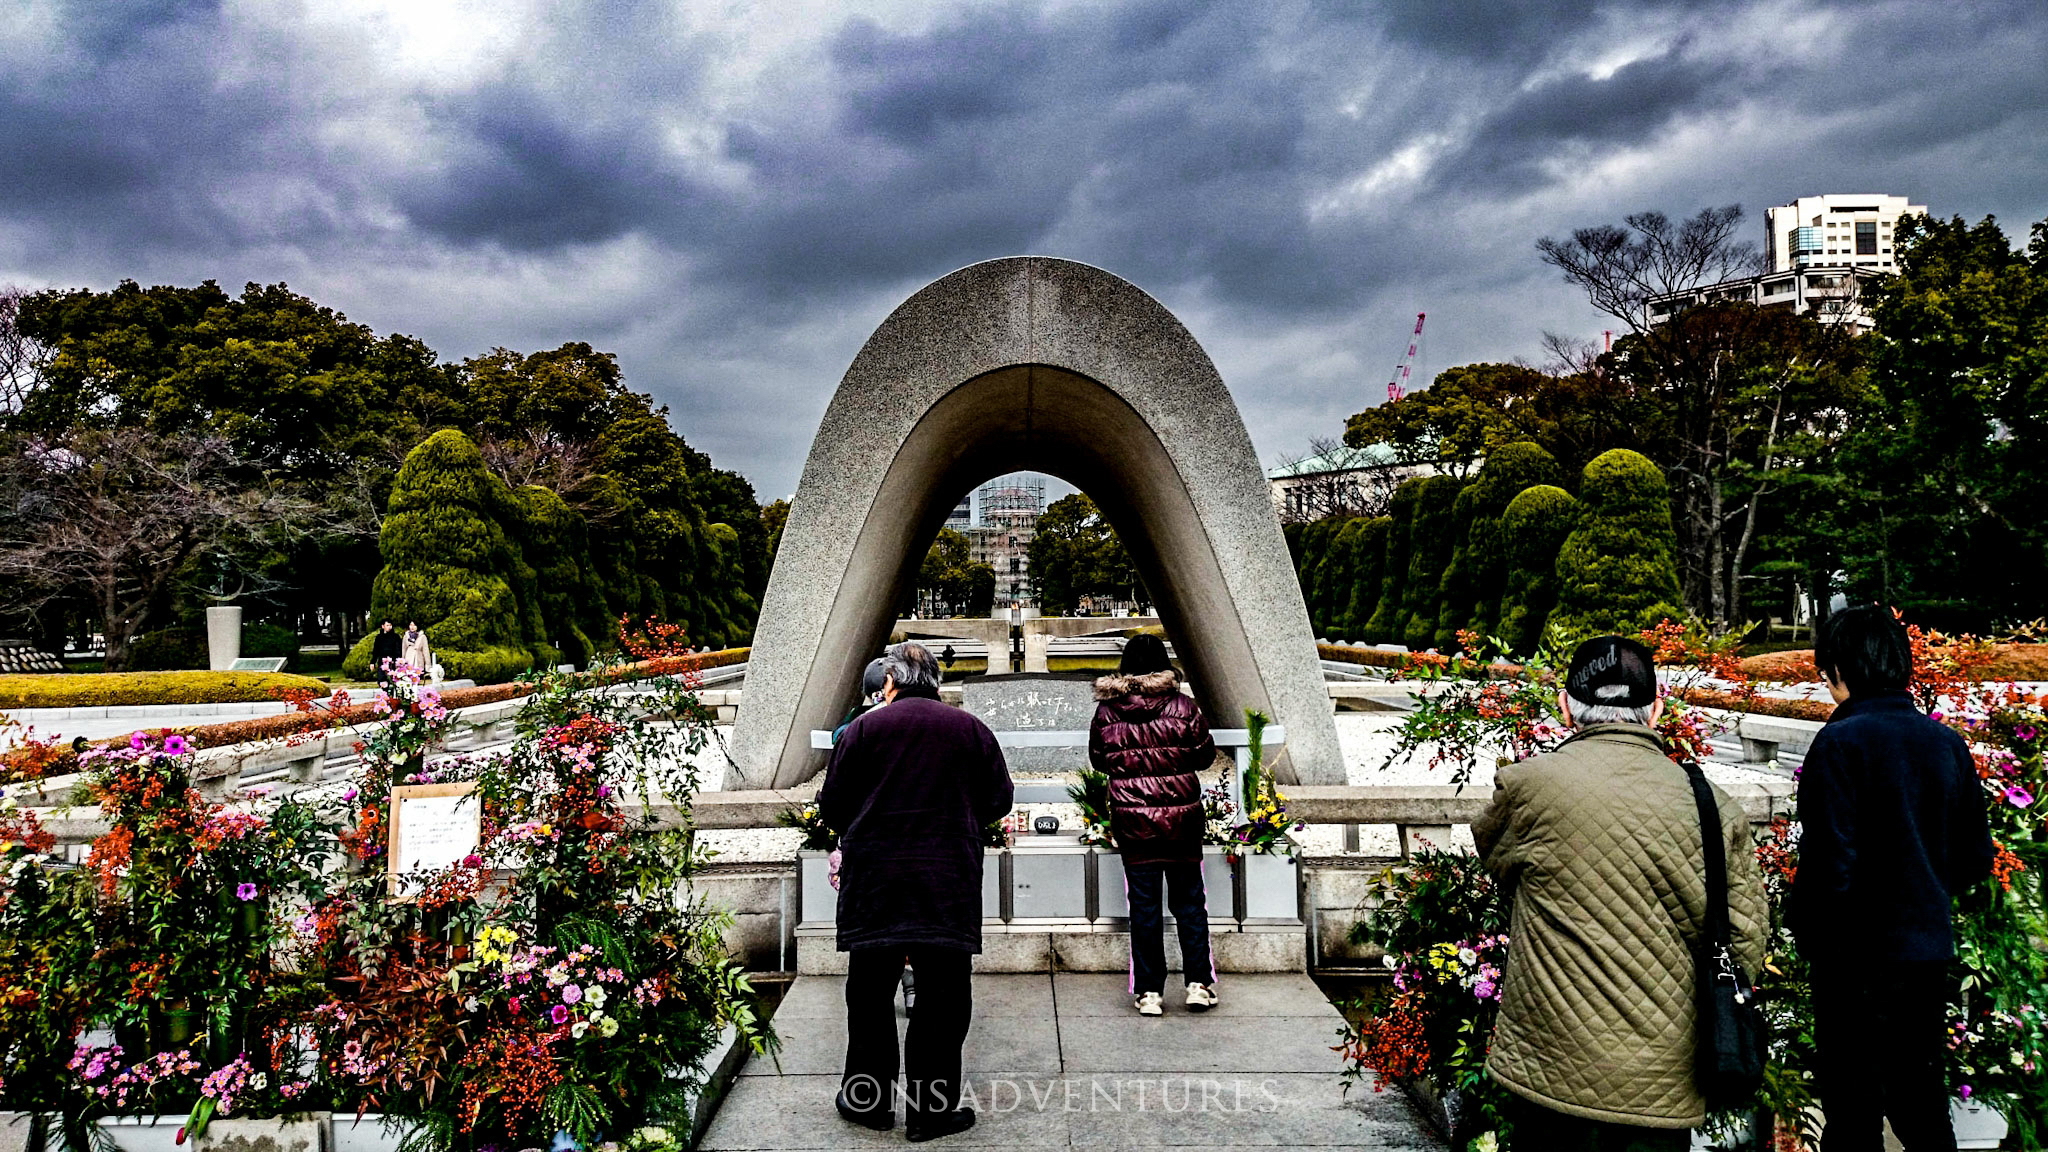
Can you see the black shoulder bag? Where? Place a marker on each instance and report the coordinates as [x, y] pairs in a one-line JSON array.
[[1730, 1062]]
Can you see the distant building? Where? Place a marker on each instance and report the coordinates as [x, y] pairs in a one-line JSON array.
[[1006, 518], [1820, 251], [1339, 481]]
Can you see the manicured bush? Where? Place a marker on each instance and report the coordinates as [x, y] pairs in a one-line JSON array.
[[554, 537], [1510, 470], [1315, 552], [1455, 589], [1429, 552], [1618, 570], [1533, 528], [1388, 618], [1369, 553], [448, 562], [1333, 584], [105, 689]]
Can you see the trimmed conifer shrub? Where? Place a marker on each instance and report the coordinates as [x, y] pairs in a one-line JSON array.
[[1533, 528], [1333, 590], [1388, 616], [1455, 590], [574, 617], [1429, 553], [1315, 550], [1369, 553], [1510, 470], [449, 564], [1618, 570]]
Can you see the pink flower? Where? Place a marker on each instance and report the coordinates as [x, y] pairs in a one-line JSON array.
[[559, 1014], [174, 745], [137, 741], [245, 891], [2018, 797], [571, 994], [1964, 1092], [1484, 989], [472, 861]]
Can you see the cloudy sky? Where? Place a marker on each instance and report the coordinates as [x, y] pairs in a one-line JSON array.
[[731, 195]]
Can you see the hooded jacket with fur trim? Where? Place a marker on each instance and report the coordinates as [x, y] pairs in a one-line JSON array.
[[1151, 740]]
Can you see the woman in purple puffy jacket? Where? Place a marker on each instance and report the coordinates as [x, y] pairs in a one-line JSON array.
[[1150, 739]]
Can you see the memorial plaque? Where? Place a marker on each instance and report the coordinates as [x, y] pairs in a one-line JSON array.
[[432, 826]]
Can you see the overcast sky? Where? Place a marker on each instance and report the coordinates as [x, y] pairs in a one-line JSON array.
[[730, 196]]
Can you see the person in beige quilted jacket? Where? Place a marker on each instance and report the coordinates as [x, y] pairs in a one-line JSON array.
[[1598, 843]]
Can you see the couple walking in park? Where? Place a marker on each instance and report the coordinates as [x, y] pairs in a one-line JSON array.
[[911, 785], [392, 648]]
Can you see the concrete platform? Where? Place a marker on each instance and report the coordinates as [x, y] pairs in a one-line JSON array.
[[1057, 1060]]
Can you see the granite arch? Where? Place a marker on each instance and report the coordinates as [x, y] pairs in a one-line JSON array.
[[1031, 362]]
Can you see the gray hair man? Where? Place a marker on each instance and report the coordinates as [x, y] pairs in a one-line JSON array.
[[1598, 844], [910, 788]]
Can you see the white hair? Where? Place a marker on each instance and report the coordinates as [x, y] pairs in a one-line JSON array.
[[911, 665], [1586, 712]]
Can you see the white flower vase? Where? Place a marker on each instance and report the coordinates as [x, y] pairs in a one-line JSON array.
[[1976, 1124], [1272, 889], [818, 901]]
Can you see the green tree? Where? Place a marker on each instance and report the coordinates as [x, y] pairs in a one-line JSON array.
[[1533, 529], [951, 580], [449, 564], [1618, 570], [1369, 553], [1076, 553], [1389, 617], [574, 617], [1456, 588], [1335, 579], [1510, 469], [1430, 537], [1315, 551]]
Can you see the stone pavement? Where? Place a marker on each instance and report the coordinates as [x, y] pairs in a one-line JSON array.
[[1060, 1060]]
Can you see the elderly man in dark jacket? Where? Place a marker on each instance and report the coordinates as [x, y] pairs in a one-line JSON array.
[[910, 786], [1892, 827]]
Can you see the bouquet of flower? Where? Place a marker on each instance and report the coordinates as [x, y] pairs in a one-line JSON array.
[[816, 837], [1265, 829], [1091, 795]]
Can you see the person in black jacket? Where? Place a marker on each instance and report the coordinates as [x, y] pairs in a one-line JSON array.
[[385, 651], [1151, 740], [1892, 828], [910, 786]]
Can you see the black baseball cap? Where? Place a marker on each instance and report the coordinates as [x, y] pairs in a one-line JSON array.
[[1611, 660]]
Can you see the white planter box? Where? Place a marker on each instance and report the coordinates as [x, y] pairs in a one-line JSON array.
[[1220, 884], [1112, 899], [1977, 1125], [1272, 888], [1049, 879], [818, 901], [992, 884], [308, 1132]]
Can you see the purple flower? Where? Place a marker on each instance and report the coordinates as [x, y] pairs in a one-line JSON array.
[[2024, 732], [137, 741], [1964, 1092], [571, 993], [245, 891], [1484, 989], [348, 795], [559, 1014], [174, 745], [2018, 797]]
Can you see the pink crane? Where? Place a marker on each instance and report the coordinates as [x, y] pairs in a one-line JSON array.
[[1398, 386]]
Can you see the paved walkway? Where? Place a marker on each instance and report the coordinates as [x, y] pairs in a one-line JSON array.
[[1060, 1060]]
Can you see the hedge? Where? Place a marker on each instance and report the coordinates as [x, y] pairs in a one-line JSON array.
[[1618, 570], [1532, 530], [1387, 621], [104, 689], [1430, 535], [1456, 588], [1509, 471], [1367, 575], [2023, 662]]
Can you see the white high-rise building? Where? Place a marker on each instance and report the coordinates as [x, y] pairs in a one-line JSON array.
[[1835, 231]]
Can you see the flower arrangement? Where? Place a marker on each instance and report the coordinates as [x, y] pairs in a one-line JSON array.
[[1091, 795], [1265, 829], [805, 819]]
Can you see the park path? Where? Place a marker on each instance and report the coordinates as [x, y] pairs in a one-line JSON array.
[[1060, 1060]]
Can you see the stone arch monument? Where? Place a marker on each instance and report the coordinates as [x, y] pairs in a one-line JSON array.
[[1051, 365]]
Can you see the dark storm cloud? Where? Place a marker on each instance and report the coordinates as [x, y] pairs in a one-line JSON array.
[[734, 206]]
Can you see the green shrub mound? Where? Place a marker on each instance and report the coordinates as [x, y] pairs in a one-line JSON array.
[[1454, 591], [1368, 571], [1388, 619], [1510, 470], [1333, 583], [1533, 528], [107, 689], [1429, 553], [1618, 570]]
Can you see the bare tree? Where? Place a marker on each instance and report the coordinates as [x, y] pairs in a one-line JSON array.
[[115, 516], [1730, 379], [21, 359], [1323, 488]]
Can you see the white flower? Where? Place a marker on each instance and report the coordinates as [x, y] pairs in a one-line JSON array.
[[557, 977], [653, 1135], [1467, 957], [577, 1029], [594, 995], [259, 1081], [1389, 960], [610, 1027]]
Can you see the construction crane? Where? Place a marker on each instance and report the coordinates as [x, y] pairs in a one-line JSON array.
[[1398, 386]]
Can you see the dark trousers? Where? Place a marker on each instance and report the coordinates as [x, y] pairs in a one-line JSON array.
[[1538, 1129], [931, 1056], [1882, 1037], [1184, 895]]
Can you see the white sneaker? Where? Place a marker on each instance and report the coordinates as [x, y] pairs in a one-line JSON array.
[[1201, 997], [1151, 1004]]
